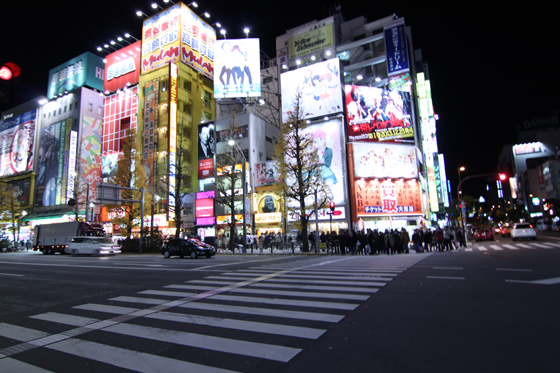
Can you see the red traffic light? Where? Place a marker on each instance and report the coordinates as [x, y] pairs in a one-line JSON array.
[[9, 70], [331, 205], [502, 177]]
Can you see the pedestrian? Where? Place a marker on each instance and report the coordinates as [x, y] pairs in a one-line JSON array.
[[447, 239], [28, 245], [439, 239], [267, 241], [397, 242], [389, 242], [405, 239], [342, 239], [278, 240], [461, 237], [416, 240], [352, 242], [428, 238]]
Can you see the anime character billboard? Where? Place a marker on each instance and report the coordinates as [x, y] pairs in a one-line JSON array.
[[237, 66], [319, 86], [378, 114], [384, 160]]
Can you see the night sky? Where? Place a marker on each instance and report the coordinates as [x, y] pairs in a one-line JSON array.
[[488, 66]]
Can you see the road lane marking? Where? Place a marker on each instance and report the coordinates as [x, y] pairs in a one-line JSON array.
[[514, 269], [445, 278], [454, 268], [496, 247], [552, 244], [128, 359], [511, 247], [546, 281], [482, 248], [541, 246], [525, 246], [11, 274]]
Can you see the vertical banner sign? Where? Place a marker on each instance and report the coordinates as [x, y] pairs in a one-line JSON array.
[[60, 171], [439, 186], [151, 116], [443, 180], [72, 164], [90, 158], [396, 48], [172, 137], [432, 189]]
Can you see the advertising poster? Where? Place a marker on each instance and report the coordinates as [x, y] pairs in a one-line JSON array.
[[206, 150], [204, 208], [378, 114], [328, 144], [86, 69], [149, 136], [388, 197], [238, 68], [50, 160], [268, 204], [90, 156], [21, 189], [266, 174], [396, 48], [197, 43], [17, 136], [311, 41], [109, 164], [384, 160], [122, 67], [319, 86]]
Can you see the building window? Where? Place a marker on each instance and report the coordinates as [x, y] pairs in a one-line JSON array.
[[163, 85], [207, 97], [59, 110], [65, 109], [268, 139], [90, 106], [267, 80], [206, 116], [187, 85], [99, 110]]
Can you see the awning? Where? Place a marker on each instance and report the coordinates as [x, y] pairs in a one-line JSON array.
[[42, 217]]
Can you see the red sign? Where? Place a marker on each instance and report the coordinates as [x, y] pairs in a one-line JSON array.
[[387, 197], [122, 67], [206, 168], [204, 208]]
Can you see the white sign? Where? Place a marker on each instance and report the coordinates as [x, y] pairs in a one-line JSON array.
[[324, 214], [72, 164]]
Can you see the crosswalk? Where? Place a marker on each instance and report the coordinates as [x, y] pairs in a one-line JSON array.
[[529, 245], [228, 322]]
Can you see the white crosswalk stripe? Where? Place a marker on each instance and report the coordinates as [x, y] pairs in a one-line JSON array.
[[516, 246], [496, 247], [250, 304], [511, 247]]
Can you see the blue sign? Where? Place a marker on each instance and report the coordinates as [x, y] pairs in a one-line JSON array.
[[396, 48], [85, 70]]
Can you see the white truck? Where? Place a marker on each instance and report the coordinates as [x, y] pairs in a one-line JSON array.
[[54, 238]]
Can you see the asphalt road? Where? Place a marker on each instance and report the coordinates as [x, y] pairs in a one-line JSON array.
[[490, 308]]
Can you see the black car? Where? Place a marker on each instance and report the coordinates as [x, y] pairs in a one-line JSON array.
[[189, 247]]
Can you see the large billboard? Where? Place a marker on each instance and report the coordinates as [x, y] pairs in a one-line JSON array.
[[311, 41], [51, 160], [123, 67], [387, 197], [396, 48], [85, 70], [266, 174], [238, 68], [178, 34], [379, 114], [384, 160], [329, 146], [150, 133], [17, 136], [319, 86], [206, 150], [90, 156]]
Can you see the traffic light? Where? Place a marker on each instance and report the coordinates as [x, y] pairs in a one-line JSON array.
[[502, 177], [9, 71], [331, 205]]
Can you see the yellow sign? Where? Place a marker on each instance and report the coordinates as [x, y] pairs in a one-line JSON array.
[[274, 217], [311, 42], [226, 219]]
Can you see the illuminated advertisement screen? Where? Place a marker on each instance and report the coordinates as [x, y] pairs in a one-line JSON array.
[[266, 174], [378, 114], [109, 164], [85, 70], [149, 135], [178, 34], [123, 67], [205, 195], [206, 150], [311, 41], [204, 208], [238, 68], [21, 189], [384, 160], [375, 197], [329, 145], [520, 149], [319, 86], [17, 136], [268, 204], [51, 161], [395, 48], [90, 157]]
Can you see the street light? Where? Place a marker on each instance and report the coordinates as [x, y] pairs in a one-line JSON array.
[[232, 143]]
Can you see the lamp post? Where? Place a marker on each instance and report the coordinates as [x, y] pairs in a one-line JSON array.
[[232, 143], [459, 197]]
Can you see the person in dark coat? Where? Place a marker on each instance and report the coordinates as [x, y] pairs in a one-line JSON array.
[[397, 242], [342, 240], [352, 241]]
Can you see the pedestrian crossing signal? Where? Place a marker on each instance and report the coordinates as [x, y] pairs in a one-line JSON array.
[[9, 71]]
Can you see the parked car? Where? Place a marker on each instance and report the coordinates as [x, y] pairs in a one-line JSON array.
[[92, 246], [505, 230], [189, 247], [483, 234], [523, 230]]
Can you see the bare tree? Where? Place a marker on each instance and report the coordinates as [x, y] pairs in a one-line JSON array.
[[303, 187], [10, 208], [229, 182]]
